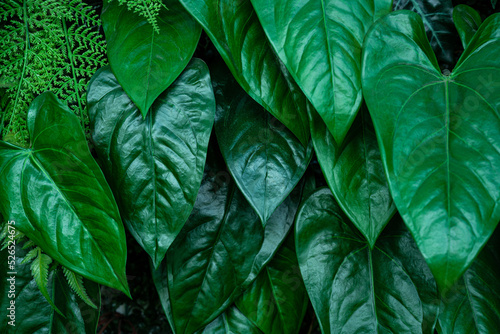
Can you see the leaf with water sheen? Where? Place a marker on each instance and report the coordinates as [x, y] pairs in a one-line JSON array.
[[155, 165], [467, 21], [439, 137]]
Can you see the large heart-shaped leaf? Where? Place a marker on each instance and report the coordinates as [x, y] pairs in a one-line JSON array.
[[232, 321], [218, 253], [320, 43], [33, 314], [59, 197], [439, 137], [146, 61], [437, 17], [472, 305], [467, 21], [265, 158], [355, 173], [237, 34], [277, 300], [155, 165], [354, 289]]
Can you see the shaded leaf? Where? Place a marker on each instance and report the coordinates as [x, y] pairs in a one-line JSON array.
[[232, 321], [467, 21]]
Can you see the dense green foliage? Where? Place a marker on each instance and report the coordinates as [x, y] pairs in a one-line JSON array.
[[254, 166]]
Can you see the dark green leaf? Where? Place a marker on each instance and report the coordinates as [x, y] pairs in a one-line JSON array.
[[232, 321], [472, 305], [467, 21], [265, 158], [320, 43], [438, 20], [277, 300], [154, 165], [59, 197], [144, 61], [33, 313], [354, 289], [218, 253], [355, 173], [237, 34], [494, 3], [439, 137]]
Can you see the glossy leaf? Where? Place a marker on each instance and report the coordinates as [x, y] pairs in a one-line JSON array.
[[234, 28], [320, 43], [155, 165], [438, 21], [355, 174], [59, 197], [354, 289], [218, 253], [472, 305], [439, 137], [265, 158], [467, 21], [277, 300], [146, 62], [33, 314], [232, 321]]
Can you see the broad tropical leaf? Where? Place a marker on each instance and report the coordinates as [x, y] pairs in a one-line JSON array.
[[265, 158], [354, 289], [320, 43], [33, 313], [155, 165], [467, 21], [234, 28], [59, 197], [472, 305], [355, 173], [439, 137], [277, 300], [232, 321], [438, 21], [144, 61], [218, 253]]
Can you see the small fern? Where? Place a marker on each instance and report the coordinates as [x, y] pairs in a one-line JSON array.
[[148, 9], [75, 281], [46, 45]]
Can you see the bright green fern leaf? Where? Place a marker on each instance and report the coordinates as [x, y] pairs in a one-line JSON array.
[[40, 271], [32, 254], [146, 8], [75, 281]]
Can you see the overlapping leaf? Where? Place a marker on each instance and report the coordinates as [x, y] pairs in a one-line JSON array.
[[33, 314], [355, 174], [232, 321], [144, 61], [59, 197], [320, 43], [439, 137], [237, 34], [467, 21], [154, 165], [354, 289], [218, 253], [265, 158]]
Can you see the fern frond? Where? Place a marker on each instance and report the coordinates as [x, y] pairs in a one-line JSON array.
[[5, 236], [30, 256], [28, 244], [75, 281], [148, 9], [40, 272]]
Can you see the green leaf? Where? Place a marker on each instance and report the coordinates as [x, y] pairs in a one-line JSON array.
[[155, 165], [277, 300], [33, 313], [59, 197], [472, 305], [264, 157], [494, 3], [40, 271], [145, 62], [232, 321], [320, 43], [354, 289], [438, 21], [76, 283], [218, 253], [467, 21], [439, 137], [355, 173], [234, 28]]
